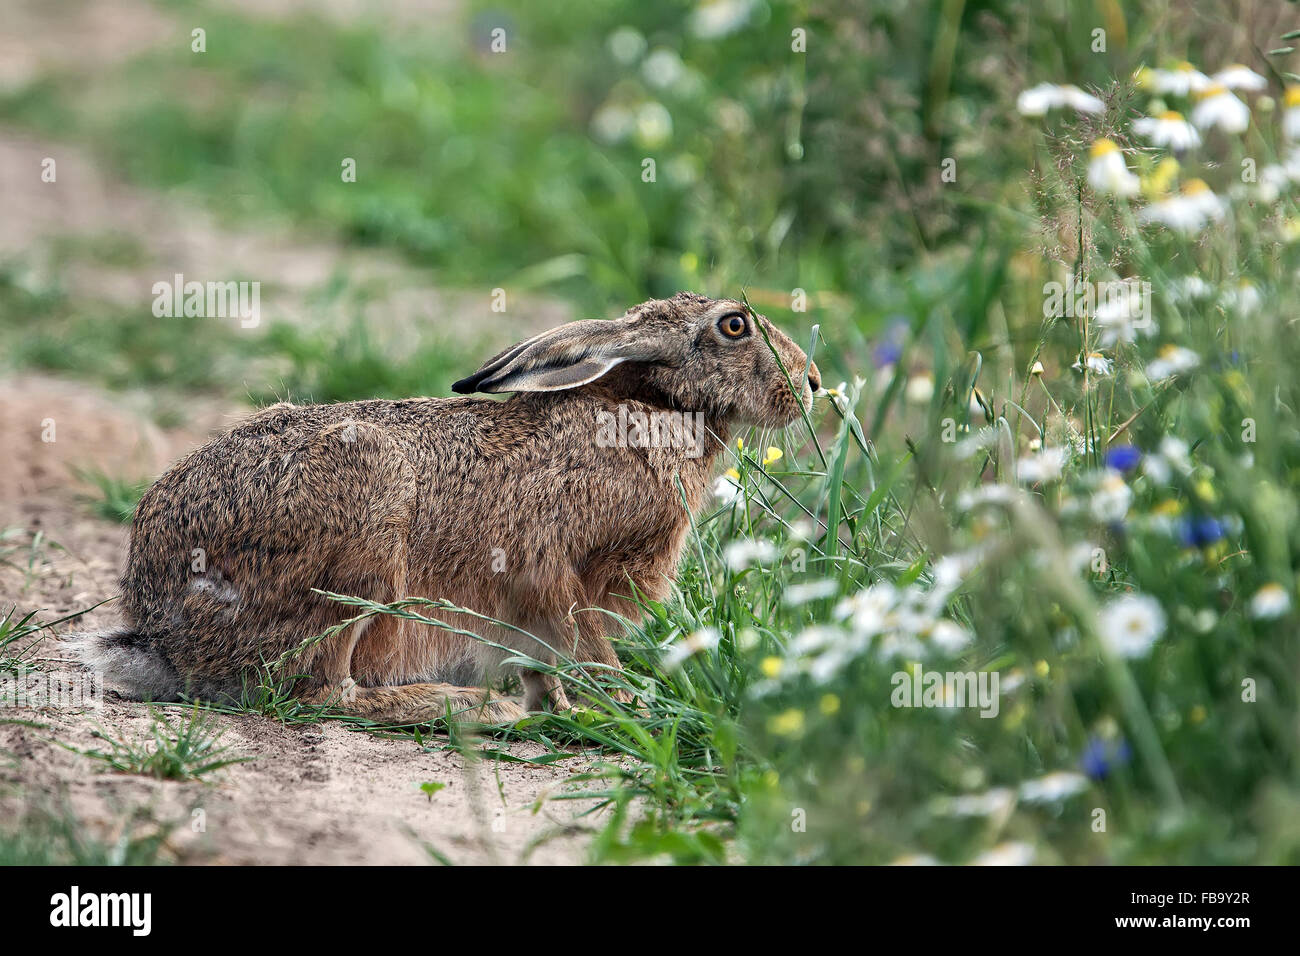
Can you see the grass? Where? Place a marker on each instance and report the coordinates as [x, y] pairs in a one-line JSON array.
[[184, 748], [115, 498], [45, 838]]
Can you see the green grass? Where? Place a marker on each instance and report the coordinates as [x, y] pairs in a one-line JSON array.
[[113, 498], [186, 747], [45, 838]]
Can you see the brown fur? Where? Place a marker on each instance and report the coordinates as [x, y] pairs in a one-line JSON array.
[[389, 499]]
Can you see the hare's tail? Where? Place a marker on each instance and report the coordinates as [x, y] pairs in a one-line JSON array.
[[128, 662]]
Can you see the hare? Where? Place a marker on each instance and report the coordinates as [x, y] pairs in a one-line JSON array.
[[542, 511]]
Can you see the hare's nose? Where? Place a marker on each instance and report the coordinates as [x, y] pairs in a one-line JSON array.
[[814, 377]]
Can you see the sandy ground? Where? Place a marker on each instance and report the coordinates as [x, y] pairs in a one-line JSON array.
[[314, 794]]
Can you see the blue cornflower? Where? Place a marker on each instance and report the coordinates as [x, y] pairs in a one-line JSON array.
[[1199, 531], [1123, 457], [1100, 757]]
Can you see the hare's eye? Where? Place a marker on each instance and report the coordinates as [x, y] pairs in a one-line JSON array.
[[732, 326]]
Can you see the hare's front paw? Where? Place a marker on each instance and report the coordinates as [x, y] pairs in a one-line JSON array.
[[543, 692]]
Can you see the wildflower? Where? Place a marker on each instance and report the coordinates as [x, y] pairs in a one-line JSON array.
[[626, 44], [797, 594], [1093, 362], [663, 69], [1200, 531], [1053, 787], [1270, 601], [772, 456], [1100, 756], [788, 723], [742, 553], [771, 666], [613, 123], [949, 636], [1036, 369], [726, 487], [1169, 130], [719, 18], [1183, 80], [815, 638], [1037, 100], [1291, 113], [1123, 313], [1238, 77], [1171, 455], [1172, 360], [1190, 289], [1110, 502], [1161, 179], [1107, 172], [829, 705], [1243, 299], [1123, 457], [1188, 212], [869, 610], [1006, 854], [1131, 624], [1218, 106], [653, 124], [920, 388], [994, 803], [1046, 466], [704, 639]]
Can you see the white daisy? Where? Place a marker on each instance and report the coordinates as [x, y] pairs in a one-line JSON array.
[[1189, 212], [726, 489], [949, 636], [1053, 787], [1170, 361], [1094, 362], [1046, 466], [745, 552], [1218, 106], [1270, 601], [702, 640], [797, 594], [1107, 172], [1172, 455], [1291, 113], [1238, 77], [1037, 100], [1110, 502], [1123, 312], [1190, 289], [1182, 80], [718, 18], [1131, 624], [1243, 299], [1169, 130]]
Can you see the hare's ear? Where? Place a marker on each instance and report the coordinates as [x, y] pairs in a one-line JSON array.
[[565, 357]]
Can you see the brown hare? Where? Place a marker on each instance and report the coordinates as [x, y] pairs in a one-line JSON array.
[[536, 511]]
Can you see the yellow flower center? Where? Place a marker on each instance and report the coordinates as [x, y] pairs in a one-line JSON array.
[[1103, 147]]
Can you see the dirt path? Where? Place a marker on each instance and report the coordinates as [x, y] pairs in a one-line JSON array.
[[316, 793]]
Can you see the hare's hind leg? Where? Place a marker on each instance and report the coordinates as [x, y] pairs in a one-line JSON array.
[[417, 703]]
